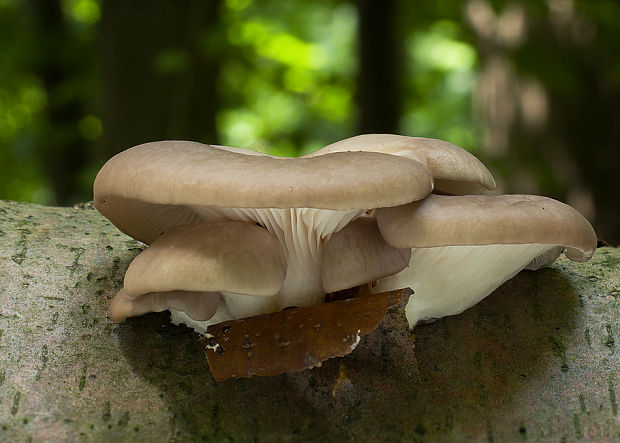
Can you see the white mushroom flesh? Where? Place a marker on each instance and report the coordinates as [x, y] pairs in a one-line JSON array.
[[449, 279], [545, 259], [180, 317]]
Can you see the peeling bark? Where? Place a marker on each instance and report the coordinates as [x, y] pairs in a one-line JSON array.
[[538, 359], [298, 338]]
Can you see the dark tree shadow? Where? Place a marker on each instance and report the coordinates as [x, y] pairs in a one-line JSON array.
[[392, 387]]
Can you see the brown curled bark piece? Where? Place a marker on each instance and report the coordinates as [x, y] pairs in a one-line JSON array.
[[295, 339]]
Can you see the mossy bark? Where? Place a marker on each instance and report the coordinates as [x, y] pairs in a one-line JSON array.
[[536, 360]]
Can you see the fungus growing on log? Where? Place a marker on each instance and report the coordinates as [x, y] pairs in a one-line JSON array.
[[235, 234]]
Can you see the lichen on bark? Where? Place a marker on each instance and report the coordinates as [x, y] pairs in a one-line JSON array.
[[537, 359]]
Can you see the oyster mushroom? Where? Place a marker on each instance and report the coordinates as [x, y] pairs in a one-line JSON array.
[[156, 191], [281, 232], [464, 247]]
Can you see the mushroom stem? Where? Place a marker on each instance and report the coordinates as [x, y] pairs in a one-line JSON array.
[[302, 285]]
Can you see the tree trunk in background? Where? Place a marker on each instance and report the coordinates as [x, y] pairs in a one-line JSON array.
[[378, 91], [64, 155], [159, 72], [549, 101], [599, 161]]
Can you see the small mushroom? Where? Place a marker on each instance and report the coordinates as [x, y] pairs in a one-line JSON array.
[[235, 233], [188, 267], [464, 247]]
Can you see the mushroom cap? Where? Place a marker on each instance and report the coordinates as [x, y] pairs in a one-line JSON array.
[[209, 257], [199, 306], [158, 181], [455, 170], [358, 254], [471, 220]]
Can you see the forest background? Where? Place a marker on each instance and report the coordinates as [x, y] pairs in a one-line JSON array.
[[532, 87]]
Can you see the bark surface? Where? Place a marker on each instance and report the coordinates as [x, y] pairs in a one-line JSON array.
[[537, 359]]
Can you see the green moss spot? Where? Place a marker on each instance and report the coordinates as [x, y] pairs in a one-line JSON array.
[[609, 340], [478, 360], [420, 429], [19, 258], [124, 420], [559, 350], [15, 406], [76, 260], [577, 426], [610, 261], [107, 414]]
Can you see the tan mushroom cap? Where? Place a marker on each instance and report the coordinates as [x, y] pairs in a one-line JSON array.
[[454, 169], [199, 306], [357, 254], [235, 257], [167, 176], [471, 220]]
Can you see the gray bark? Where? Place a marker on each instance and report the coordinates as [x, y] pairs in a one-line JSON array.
[[535, 360]]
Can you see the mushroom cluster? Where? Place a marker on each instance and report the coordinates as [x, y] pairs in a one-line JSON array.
[[234, 233]]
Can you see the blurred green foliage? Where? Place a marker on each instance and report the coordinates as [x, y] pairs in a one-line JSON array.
[[287, 85], [287, 81], [289, 89], [442, 69]]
